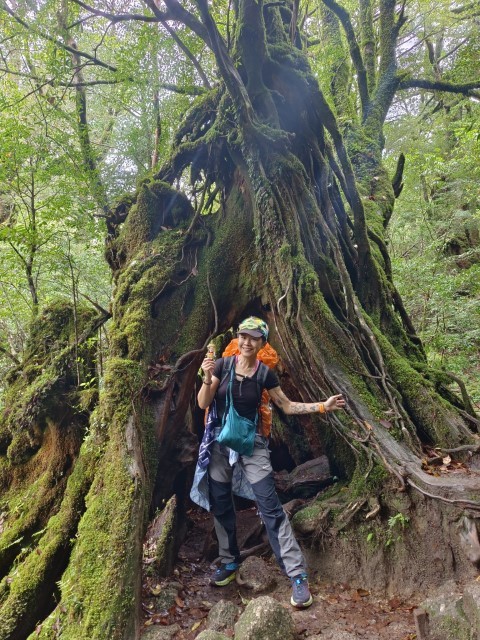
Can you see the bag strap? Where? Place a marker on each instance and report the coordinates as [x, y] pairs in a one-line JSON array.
[[227, 366], [228, 396]]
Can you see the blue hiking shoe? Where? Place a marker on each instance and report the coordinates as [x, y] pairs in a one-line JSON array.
[[301, 596], [224, 574]]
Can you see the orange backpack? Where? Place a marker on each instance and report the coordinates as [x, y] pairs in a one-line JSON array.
[[268, 356]]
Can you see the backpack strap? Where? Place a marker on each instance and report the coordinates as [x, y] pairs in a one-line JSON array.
[[227, 365], [261, 377]]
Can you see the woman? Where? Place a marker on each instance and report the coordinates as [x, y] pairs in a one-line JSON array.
[[252, 335]]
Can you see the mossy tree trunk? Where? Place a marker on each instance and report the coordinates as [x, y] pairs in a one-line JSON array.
[[292, 234]]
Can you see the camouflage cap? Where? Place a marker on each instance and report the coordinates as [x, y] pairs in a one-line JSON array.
[[255, 327]]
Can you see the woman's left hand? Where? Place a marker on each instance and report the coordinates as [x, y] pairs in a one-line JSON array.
[[334, 403]]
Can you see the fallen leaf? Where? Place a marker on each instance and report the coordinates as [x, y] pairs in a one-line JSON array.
[[363, 593], [207, 604], [156, 591], [196, 625], [180, 602], [447, 460], [332, 600], [395, 603]]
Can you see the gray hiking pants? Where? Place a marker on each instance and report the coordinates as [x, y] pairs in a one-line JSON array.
[[258, 471]]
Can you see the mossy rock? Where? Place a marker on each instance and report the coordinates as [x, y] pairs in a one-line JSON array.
[[209, 634], [265, 619]]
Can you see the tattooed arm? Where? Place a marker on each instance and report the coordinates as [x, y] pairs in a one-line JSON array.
[[297, 408]]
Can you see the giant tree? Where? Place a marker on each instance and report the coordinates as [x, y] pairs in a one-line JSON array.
[[272, 200]]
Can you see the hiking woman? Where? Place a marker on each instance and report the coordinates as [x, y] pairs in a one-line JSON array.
[[245, 370]]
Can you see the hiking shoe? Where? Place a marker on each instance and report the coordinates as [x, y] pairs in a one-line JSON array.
[[224, 574], [301, 596]]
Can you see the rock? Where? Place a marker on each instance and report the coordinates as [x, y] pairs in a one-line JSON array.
[[468, 536], [471, 606], [166, 597], [447, 620], [254, 574], [422, 624], [163, 539], [265, 619], [222, 615], [210, 634], [305, 481], [161, 633]]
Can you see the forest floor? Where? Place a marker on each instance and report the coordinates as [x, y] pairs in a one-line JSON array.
[[339, 611]]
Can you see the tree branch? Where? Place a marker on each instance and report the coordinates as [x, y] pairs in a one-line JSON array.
[[397, 181], [187, 91], [355, 52], [388, 39], [466, 89], [58, 43], [226, 67], [121, 17], [86, 146], [189, 55], [9, 355], [177, 12], [368, 42], [52, 82]]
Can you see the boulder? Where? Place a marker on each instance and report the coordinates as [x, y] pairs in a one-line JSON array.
[[210, 634], [222, 615], [305, 481], [161, 633], [265, 619], [166, 595], [446, 615], [254, 574], [471, 606]]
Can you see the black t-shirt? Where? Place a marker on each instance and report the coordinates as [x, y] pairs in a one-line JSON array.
[[245, 392]]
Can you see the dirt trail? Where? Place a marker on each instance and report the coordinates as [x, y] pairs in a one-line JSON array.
[[339, 611]]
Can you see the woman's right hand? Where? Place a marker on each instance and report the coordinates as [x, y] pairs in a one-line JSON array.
[[210, 384], [208, 366]]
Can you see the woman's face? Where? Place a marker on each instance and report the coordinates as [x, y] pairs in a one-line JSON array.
[[248, 345]]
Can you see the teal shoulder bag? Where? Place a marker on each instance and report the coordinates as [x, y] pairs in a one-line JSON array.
[[238, 433]]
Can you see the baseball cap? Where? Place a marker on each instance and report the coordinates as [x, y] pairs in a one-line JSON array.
[[255, 327]]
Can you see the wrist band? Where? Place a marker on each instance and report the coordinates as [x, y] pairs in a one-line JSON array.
[[321, 408], [207, 383]]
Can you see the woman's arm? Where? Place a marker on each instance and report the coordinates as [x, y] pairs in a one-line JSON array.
[[210, 384], [297, 408]]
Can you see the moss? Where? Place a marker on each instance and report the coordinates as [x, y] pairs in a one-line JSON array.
[[24, 592], [53, 329], [433, 416], [366, 482], [157, 207], [52, 363], [306, 520], [166, 544], [98, 586]]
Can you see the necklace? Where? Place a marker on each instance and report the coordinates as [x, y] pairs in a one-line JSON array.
[[248, 371]]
